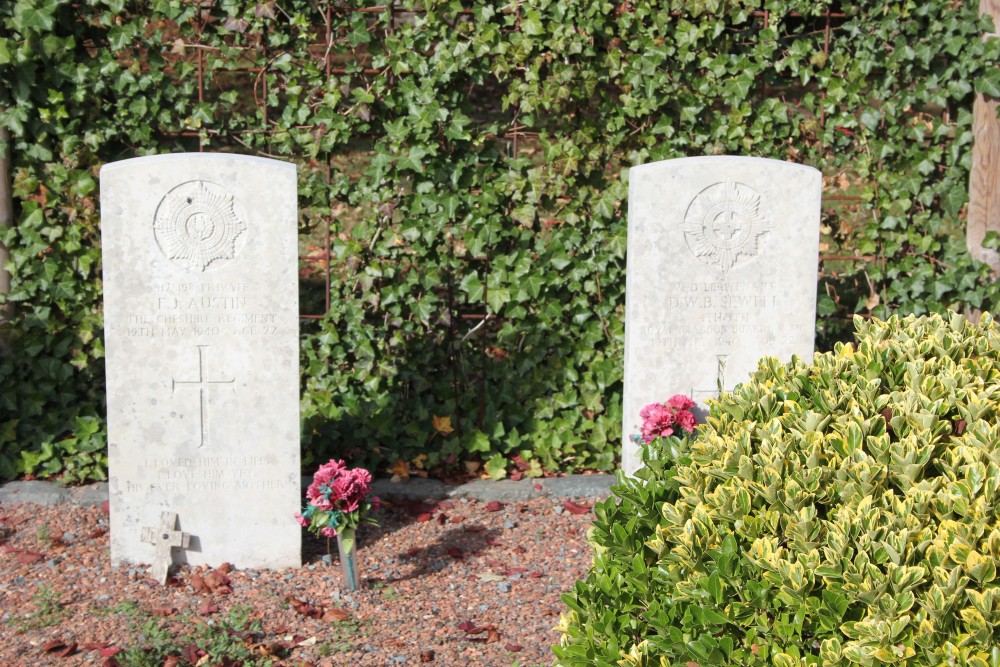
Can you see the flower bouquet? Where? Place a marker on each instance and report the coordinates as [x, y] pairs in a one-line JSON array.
[[672, 420], [660, 419], [337, 500]]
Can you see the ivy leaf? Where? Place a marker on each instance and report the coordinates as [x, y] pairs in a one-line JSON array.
[[496, 467], [496, 298], [37, 16], [953, 200], [472, 286], [989, 83]]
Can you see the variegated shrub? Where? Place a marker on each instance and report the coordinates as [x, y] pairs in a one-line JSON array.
[[837, 512]]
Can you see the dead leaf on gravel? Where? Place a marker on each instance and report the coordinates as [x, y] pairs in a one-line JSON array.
[[490, 577], [335, 615], [217, 581], [494, 506], [575, 508], [56, 542], [208, 608], [27, 557], [470, 628], [60, 648], [456, 553], [304, 608], [194, 655], [513, 648], [273, 649], [475, 528], [104, 649], [163, 611]]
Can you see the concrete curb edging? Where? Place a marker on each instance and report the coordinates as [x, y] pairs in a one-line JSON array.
[[415, 488]]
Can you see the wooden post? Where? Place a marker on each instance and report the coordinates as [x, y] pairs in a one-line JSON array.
[[984, 179], [6, 220]]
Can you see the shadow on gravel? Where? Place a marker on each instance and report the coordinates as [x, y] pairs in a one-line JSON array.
[[454, 541], [455, 545]]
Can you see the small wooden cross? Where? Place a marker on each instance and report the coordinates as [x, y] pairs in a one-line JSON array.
[[165, 538]]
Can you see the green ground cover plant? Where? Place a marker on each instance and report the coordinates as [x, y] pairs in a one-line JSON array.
[[472, 159], [834, 511], [232, 639]]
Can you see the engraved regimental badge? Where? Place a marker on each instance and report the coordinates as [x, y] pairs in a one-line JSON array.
[[724, 225], [197, 225]]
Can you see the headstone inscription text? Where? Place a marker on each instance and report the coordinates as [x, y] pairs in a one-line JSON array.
[[722, 270], [201, 337]]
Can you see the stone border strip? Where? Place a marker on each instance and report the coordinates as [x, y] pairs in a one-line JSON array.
[[416, 488]]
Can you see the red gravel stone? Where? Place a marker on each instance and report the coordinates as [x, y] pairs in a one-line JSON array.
[[417, 596]]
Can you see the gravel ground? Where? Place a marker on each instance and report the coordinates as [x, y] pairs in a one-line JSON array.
[[453, 582]]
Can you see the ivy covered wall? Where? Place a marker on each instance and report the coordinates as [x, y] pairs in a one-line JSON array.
[[470, 159]]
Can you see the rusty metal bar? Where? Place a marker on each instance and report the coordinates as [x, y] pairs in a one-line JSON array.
[[847, 258], [826, 53]]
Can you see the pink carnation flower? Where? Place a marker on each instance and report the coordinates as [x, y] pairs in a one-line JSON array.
[[680, 402], [304, 522], [334, 486], [685, 420], [328, 532], [657, 420], [351, 489]]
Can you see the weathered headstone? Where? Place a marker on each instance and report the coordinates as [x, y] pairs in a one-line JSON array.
[[722, 270], [201, 337]]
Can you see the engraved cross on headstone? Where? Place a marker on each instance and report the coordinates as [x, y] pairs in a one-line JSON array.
[[201, 383], [165, 538], [720, 381]]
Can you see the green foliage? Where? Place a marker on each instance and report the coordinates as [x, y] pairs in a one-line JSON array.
[[834, 512], [478, 158], [49, 610], [228, 641]]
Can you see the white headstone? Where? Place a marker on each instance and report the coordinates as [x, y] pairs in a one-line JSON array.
[[722, 270], [200, 257]]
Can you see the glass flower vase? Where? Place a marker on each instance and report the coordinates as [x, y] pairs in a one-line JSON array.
[[348, 561]]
